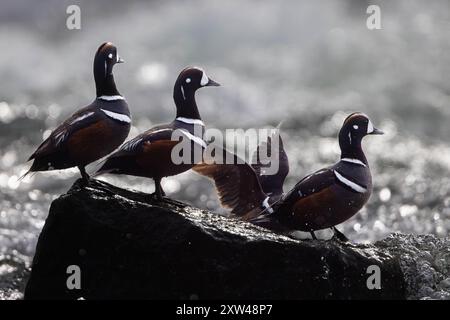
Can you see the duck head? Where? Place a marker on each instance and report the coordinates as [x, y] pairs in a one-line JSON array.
[[105, 59], [188, 82], [356, 126]]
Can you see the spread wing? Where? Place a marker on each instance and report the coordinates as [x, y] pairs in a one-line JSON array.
[[272, 184], [56, 141], [237, 184]]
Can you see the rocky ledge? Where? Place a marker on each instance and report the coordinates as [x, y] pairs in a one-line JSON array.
[[128, 245]]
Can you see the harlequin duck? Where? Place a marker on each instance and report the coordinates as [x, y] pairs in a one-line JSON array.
[[149, 154], [332, 195], [245, 188], [92, 132]]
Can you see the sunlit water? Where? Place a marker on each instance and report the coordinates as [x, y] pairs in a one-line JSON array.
[[307, 64]]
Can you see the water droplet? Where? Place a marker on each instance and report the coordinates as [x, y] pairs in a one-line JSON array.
[[385, 194], [407, 210]]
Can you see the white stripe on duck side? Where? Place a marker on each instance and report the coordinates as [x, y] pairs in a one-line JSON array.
[[117, 116], [60, 137], [193, 138], [84, 116], [131, 145], [190, 121], [266, 205], [351, 184]]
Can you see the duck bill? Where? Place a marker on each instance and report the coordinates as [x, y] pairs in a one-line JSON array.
[[377, 131], [212, 83], [120, 60]]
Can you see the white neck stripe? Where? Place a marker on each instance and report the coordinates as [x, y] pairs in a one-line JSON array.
[[349, 183], [190, 121], [355, 161], [111, 98], [117, 116]]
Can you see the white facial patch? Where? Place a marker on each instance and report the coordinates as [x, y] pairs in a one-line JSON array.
[[370, 128], [110, 55], [355, 127], [204, 80], [117, 116], [354, 186], [188, 80]]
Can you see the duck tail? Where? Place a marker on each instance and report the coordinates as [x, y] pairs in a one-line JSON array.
[[30, 171]]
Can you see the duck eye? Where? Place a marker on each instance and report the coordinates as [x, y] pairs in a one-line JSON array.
[[355, 127], [188, 80], [110, 55]]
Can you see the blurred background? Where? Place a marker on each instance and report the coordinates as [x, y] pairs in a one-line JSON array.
[[307, 63]]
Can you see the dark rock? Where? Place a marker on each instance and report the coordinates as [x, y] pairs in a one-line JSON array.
[[14, 270], [128, 245]]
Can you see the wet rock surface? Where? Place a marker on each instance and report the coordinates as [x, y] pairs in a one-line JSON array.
[[425, 262], [14, 270], [128, 245]]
